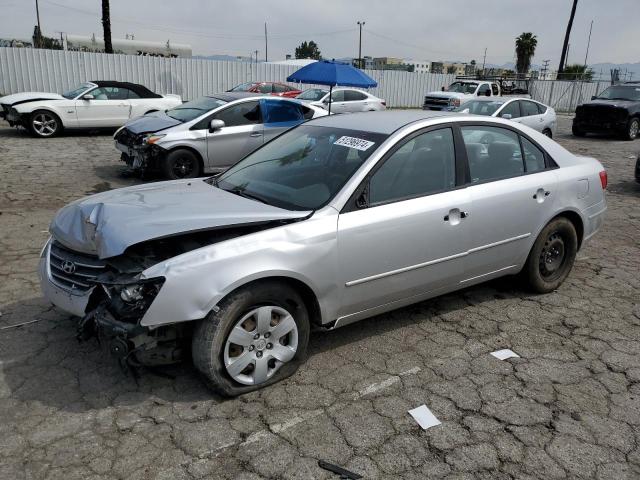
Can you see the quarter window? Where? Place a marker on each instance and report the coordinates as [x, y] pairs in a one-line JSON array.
[[265, 88], [337, 96], [422, 166], [246, 113], [511, 109], [492, 152], [533, 156], [279, 88], [528, 108]]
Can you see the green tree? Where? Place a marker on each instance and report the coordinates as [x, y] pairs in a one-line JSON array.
[[308, 50], [525, 49], [576, 72], [451, 69]]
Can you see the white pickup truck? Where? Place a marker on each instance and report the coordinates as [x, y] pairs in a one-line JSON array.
[[460, 92]]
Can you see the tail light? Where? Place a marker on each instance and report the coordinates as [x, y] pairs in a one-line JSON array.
[[603, 179]]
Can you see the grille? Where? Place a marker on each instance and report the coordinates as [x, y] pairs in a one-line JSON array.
[[436, 100], [597, 114], [72, 270]]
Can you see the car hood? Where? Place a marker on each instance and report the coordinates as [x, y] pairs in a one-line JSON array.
[[108, 223], [448, 95], [29, 97], [151, 122], [611, 103]]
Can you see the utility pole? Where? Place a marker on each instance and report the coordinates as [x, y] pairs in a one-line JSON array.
[[544, 69], [39, 36], [256, 51], [360, 24], [106, 26], [586, 55], [484, 59], [565, 45], [266, 47]]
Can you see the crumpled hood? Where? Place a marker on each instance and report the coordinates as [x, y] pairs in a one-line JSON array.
[[108, 223], [150, 123], [29, 97]]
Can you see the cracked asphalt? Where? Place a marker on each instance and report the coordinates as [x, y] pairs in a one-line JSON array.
[[568, 408]]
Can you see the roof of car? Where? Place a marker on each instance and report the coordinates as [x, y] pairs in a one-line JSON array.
[[232, 96], [385, 122], [140, 90]]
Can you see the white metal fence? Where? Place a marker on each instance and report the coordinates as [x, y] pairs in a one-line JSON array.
[[24, 69]]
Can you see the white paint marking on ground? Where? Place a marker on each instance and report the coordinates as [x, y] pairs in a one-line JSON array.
[[376, 387], [424, 417], [504, 354]]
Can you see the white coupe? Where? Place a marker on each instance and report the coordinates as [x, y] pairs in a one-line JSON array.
[[94, 104]]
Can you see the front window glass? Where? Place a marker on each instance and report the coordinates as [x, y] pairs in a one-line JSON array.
[[192, 110], [493, 153], [312, 94], [478, 107], [463, 87], [245, 113], [424, 165], [265, 88], [71, 94], [301, 169], [529, 108], [484, 90], [620, 92]]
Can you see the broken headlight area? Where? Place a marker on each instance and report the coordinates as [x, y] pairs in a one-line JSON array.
[[113, 318]]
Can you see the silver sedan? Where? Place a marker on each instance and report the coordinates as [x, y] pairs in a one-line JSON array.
[[336, 220], [528, 112]]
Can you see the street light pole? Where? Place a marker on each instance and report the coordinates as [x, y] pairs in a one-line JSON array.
[[360, 24]]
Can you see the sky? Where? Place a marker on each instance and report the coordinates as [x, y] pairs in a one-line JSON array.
[[419, 29]]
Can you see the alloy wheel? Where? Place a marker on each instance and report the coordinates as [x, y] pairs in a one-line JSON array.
[[183, 167], [633, 129], [259, 344], [44, 124]]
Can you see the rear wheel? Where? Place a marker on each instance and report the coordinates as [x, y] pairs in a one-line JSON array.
[[181, 164], [552, 256], [258, 337], [44, 124], [547, 133], [633, 126], [577, 132]]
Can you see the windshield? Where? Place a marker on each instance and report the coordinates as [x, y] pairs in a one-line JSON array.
[[477, 107], [190, 110], [312, 94], [243, 87], [302, 169], [463, 87], [71, 94], [618, 92]]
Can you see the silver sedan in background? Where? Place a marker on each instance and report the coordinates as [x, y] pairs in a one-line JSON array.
[[343, 100], [528, 112], [339, 219]]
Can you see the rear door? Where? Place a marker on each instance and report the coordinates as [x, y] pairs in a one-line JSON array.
[[512, 109], [241, 135], [531, 116], [512, 191], [338, 105], [278, 116], [108, 108], [356, 101], [409, 237]]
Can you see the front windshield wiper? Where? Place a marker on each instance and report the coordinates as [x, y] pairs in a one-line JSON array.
[[241, 191]]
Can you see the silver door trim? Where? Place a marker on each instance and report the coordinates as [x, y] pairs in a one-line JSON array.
[[436, 261], [486, 274]]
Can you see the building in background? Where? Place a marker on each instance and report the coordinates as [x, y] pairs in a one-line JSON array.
[[437, 67], [128, 47], [419, 66]]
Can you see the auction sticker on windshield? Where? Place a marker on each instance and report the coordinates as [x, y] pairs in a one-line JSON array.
[[352, 142]]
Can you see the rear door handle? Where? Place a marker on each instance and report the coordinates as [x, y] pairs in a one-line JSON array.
[[256, 134], [541, 194], [455, 215]]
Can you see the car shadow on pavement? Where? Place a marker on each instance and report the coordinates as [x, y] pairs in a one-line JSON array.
[[42, 361]]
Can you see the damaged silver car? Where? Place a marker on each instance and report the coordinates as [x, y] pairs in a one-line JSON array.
[[338, 219]]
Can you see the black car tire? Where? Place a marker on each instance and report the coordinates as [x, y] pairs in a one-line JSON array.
[[577, 132], [633, 126], [547, 132], [44, 124], [552, 256], [211, 334], [181, 163]]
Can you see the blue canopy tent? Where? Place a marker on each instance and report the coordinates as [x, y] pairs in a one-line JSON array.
[[332, 73]]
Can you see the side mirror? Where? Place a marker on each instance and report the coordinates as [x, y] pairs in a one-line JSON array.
[[507, 116], [88, 96], [466, 110], [593, 97], [326, 101], [215, 124]]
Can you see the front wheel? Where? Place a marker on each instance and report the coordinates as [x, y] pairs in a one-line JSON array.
[[632, 129], [181, 164], [547, 132], [552, 256], [577, 132], [44, 124], [259, 336]]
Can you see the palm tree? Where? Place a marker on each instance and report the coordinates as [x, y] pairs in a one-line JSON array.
[[106, 26], [525, 48]]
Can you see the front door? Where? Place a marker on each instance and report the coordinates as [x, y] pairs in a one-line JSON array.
[[511, 195], [278, 116], [108, 108], [411, 236], [241, 135], [338, 105]]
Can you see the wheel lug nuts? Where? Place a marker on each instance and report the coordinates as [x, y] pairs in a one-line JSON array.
[[251, 347], [267, 335], [269, 346], [258, 354], [256, 336]]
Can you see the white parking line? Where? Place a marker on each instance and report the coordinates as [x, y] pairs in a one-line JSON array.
[[376, 387]]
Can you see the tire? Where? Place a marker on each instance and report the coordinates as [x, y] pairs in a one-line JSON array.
[[552, 256], [547, 133], [180, 164], [633, 126], [44, 124], [214, 353], [577, 132]]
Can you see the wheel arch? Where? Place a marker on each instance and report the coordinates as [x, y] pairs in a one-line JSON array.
[[192, 150], [48, 110], [576, 220]]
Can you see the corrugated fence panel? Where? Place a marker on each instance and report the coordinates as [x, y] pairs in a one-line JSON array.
[[564, 96]]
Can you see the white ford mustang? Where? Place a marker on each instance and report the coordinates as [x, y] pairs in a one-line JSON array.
[[91, 105]]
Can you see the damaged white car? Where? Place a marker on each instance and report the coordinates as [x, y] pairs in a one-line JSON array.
[[336, 220]]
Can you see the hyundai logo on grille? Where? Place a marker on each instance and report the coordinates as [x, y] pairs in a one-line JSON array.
[[68, 267]]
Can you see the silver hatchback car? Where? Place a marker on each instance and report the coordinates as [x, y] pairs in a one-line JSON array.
[[336, 220]]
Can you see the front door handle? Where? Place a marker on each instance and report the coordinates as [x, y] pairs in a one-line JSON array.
[[455, 215], [257, 134]]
